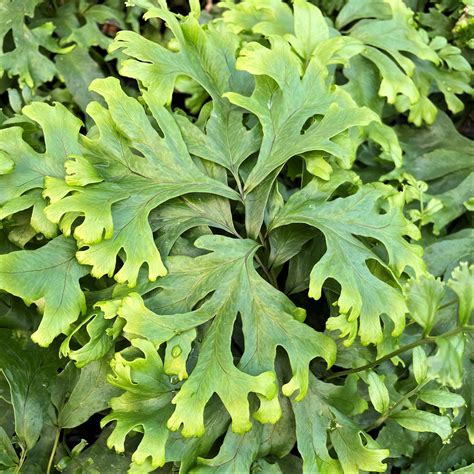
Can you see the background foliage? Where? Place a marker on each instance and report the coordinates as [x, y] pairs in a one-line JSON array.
[[236, 237]]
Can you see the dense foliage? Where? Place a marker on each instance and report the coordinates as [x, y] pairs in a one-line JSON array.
[[236, 240]]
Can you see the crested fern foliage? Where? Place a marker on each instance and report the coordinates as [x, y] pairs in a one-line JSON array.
[[236, 240]]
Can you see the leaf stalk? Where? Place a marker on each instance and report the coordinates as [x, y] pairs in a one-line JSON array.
[[400, 350]]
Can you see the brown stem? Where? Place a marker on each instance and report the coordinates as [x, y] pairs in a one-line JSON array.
[[418, 342]]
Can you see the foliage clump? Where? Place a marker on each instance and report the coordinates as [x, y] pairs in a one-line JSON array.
[[248, 248]]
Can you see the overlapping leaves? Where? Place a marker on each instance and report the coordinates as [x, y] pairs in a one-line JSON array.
[[229, 285], [159, 241], [344, 222], [126, 154], [29, 33], [24, 58], [382, 50], [443, 159]]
